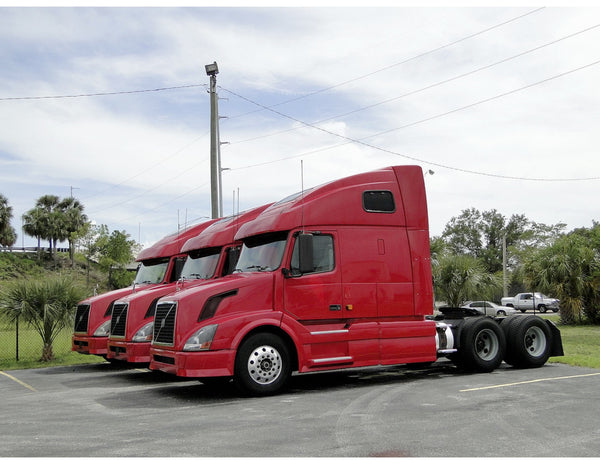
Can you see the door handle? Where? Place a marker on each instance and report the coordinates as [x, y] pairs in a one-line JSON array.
[[335, 307]]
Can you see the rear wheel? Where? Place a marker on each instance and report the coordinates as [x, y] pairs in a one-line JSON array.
[[262, 365], [529, 342], [482, 345]]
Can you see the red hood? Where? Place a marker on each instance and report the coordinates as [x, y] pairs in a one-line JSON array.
[[245, 292]]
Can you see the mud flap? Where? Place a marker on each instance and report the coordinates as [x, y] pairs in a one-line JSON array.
[[557, 348]]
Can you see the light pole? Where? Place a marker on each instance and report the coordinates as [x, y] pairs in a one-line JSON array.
[[212, 70]]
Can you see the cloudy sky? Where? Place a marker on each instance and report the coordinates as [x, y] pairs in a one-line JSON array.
[[502, 104]]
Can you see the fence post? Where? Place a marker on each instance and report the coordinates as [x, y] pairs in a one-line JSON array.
[[17, 338]]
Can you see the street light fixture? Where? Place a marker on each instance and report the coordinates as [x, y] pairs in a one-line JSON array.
[[212, 69]]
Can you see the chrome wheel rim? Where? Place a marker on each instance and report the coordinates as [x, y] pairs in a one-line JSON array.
[[264, 365]]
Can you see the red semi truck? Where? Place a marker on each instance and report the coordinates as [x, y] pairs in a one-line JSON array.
[[335, 277], [210, 255], [159, 264]]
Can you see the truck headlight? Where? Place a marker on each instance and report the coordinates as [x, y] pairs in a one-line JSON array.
[[103, 330], [144, 334], [201, 339]]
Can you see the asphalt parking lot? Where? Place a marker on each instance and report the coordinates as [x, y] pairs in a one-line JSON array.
[[102, 410]]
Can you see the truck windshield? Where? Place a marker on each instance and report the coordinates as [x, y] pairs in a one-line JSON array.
[[200, 265], [263, 253], [151, 271]]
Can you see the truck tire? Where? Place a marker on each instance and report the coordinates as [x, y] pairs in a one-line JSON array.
[[262, 365], [529, 342], [482, 345]]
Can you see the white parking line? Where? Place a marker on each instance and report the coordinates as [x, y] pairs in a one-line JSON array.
[[528, 381], [18, 381]]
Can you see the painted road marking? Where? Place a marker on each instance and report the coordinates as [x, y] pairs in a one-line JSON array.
[[528, 381], [18, 381]]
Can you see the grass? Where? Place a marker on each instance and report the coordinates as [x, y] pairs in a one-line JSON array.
[[581, 346], [30, 350]]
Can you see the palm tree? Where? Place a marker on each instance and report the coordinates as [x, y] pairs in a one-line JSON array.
[[8, 236], [47, 305], [458, 278], [45, 221], [73, 221], [33, 225], [565, 270]]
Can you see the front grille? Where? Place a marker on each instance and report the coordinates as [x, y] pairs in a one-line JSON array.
[[164, 324], [118, 320], [81, 318]]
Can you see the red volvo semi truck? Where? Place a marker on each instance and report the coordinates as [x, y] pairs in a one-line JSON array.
[[158, 265], [210, 255], [334, 277]]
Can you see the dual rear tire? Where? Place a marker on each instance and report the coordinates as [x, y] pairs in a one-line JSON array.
[[521, 341]]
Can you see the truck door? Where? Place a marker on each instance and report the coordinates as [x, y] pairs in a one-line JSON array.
[[316, 296], [315, 300]]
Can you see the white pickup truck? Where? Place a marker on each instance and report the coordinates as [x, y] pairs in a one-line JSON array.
[[525, 301]]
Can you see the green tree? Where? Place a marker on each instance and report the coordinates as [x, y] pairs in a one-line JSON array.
[[48, 305], [459, 278], [568, 270], [46, 222], [8, 236], [481, 235], [115, 251], [73, 222], [33, 225]]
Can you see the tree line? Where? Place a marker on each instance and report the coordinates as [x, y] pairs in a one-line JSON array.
[[484, 255], [58, 220]]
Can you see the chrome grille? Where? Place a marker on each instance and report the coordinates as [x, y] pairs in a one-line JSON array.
[[81, 318], [164, 323], [118, 320]]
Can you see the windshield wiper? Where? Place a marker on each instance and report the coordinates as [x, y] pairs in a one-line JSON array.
[[259, 268], [197, 276]]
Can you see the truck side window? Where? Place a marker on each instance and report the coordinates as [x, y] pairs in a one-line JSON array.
[[323, 256], [379, 201]]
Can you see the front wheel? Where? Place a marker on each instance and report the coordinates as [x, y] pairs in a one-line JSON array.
[[542, 308], [262, 365]]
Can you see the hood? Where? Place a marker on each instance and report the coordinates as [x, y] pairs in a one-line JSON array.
[[110, 296], [232, 294]]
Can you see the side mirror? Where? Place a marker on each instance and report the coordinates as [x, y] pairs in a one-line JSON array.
[[305, 253]]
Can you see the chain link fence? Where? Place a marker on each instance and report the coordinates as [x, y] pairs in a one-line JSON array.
[[25, 344]]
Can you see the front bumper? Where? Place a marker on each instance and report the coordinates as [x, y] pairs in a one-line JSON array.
[[85, 344], [193, 364], [129, 351]]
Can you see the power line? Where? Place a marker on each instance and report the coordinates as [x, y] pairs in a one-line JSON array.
[[99, 94], [160, 89], [407, 60], [428, 87], [413, 158]]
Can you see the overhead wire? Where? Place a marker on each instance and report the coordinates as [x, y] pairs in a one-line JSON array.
[[99, 94], [428, 87], [407, 60], [413, 158]]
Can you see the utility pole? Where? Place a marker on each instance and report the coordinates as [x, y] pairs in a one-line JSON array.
[[215, 162], [504, 279]]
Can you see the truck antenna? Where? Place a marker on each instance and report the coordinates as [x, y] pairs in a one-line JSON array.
[[302, 193]]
